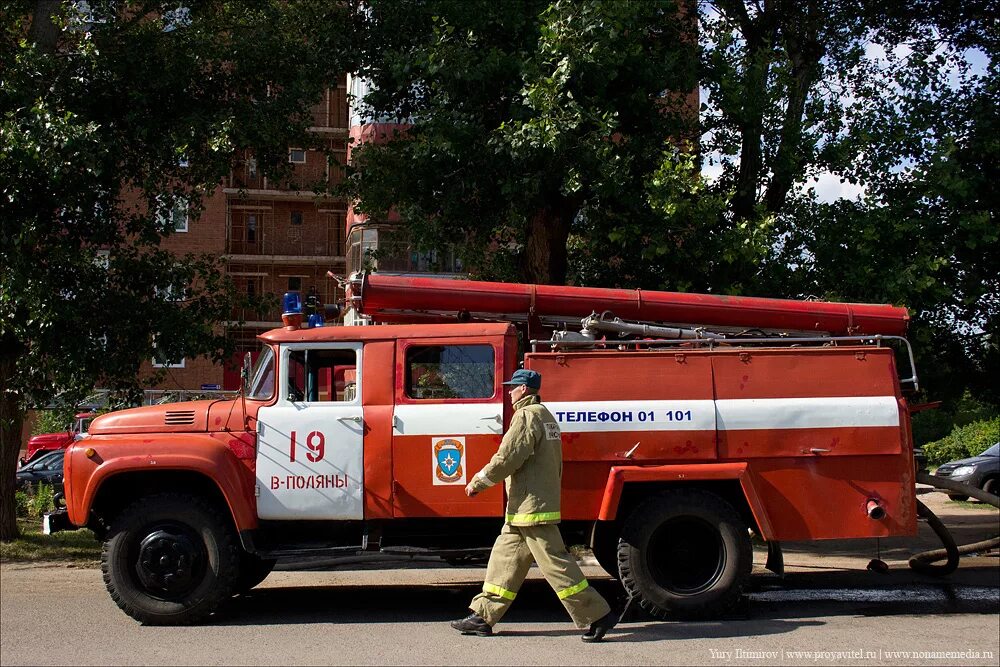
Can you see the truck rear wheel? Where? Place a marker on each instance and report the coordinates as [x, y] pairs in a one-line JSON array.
[[170, 559], [685, 554]]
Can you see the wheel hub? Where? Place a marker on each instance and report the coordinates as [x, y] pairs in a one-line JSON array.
[[168, 562], [690, 556]]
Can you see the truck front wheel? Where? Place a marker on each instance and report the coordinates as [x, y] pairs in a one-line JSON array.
[[685, 554], [170, 559]]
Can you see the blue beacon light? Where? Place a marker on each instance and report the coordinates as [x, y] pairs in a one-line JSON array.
[[291, 314], [292, 303]]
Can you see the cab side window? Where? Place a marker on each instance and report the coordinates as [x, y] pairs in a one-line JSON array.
[[322, 376], [449, 371]]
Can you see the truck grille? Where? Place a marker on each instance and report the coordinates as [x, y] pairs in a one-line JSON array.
[[178, 417]]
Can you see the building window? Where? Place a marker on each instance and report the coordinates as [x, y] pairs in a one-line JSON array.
[[251, 287], [251, 168], [160, 360], [252, 228], [160, 363], [294, 284], [449, 371], [180, 219], [296, 217], [175, 216], [296, 156]]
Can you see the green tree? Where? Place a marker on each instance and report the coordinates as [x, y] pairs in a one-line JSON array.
[[921, 136], [114, 114], [542, 138], [526, 119]]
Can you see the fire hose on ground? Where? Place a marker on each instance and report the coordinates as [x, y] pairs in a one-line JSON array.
[[925, 562]]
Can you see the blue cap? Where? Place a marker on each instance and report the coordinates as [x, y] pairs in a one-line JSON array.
[[531, 379]]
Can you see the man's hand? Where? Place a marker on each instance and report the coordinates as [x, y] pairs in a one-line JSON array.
[[471, 492]]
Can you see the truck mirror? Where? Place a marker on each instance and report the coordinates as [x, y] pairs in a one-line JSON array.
[[245, 372]]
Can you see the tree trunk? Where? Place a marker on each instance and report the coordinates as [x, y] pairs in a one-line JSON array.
[[545, 247], [44, 32], [805, 52], [759, 36], [11, 423]]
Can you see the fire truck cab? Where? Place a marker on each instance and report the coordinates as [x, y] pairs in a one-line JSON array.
[[355, 439]]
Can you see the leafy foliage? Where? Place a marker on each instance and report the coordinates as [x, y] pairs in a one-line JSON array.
[[35, 502], [920, 140], [964, 442], [54, 421], [21, 504], [111, 121], [523, 120]]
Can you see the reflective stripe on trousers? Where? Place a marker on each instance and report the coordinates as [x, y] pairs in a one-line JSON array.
[[572, 590], [534, 517], [502, 592]]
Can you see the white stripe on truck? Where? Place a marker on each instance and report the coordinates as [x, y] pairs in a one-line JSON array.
[[658, 415]]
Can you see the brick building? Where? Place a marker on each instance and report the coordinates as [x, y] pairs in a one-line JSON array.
[[273, 236]]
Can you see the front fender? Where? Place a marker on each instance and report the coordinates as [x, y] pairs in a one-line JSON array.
[[618, 476], [212, 455]]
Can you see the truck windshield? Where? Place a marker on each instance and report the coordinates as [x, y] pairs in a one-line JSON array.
[[262, 378]]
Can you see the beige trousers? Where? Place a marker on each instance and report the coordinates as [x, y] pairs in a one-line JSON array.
[[513, 553]]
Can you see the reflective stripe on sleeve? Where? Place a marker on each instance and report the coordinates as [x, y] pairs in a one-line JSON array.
[[483, 479], [572, 590], [536, 517], [502, 592]]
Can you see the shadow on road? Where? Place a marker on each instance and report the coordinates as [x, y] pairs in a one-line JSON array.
[[396, 603]]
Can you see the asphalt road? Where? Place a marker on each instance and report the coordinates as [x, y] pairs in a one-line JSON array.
[[827, 610], [60, 615]]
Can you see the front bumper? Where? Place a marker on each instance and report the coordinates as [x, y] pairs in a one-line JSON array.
[[971, 479], [57, 521]]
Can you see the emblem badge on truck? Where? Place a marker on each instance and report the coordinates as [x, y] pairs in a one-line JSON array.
[[449, 454]]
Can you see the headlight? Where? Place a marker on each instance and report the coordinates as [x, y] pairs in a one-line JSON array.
[[962, 471]]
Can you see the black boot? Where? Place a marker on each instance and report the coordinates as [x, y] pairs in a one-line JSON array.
[[600, 627], [473, 624]]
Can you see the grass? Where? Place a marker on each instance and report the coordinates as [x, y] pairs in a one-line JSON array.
[[972, 505], [75, 547]]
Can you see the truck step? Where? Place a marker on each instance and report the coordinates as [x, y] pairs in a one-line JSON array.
[[306, 551], [475, 552]]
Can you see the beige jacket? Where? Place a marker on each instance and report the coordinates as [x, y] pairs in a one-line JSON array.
[[530, 460]]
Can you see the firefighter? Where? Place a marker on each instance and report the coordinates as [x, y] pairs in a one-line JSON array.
[[530, 460]]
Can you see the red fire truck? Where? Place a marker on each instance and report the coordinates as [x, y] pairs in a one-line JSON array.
[[688, 422], [43, 443]]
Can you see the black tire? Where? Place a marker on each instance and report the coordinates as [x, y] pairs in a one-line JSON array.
[[992, 485], [170, 559], [253, 570], [685, 554], [957, 497]]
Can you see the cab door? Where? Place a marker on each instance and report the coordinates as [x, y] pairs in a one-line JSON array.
[[310, 455], [448, 421]]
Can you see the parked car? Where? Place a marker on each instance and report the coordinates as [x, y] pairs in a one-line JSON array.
[[47, 469], [44, 443], [981, 471]]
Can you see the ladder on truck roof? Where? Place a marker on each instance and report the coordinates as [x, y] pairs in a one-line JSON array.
[[660, 318]]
